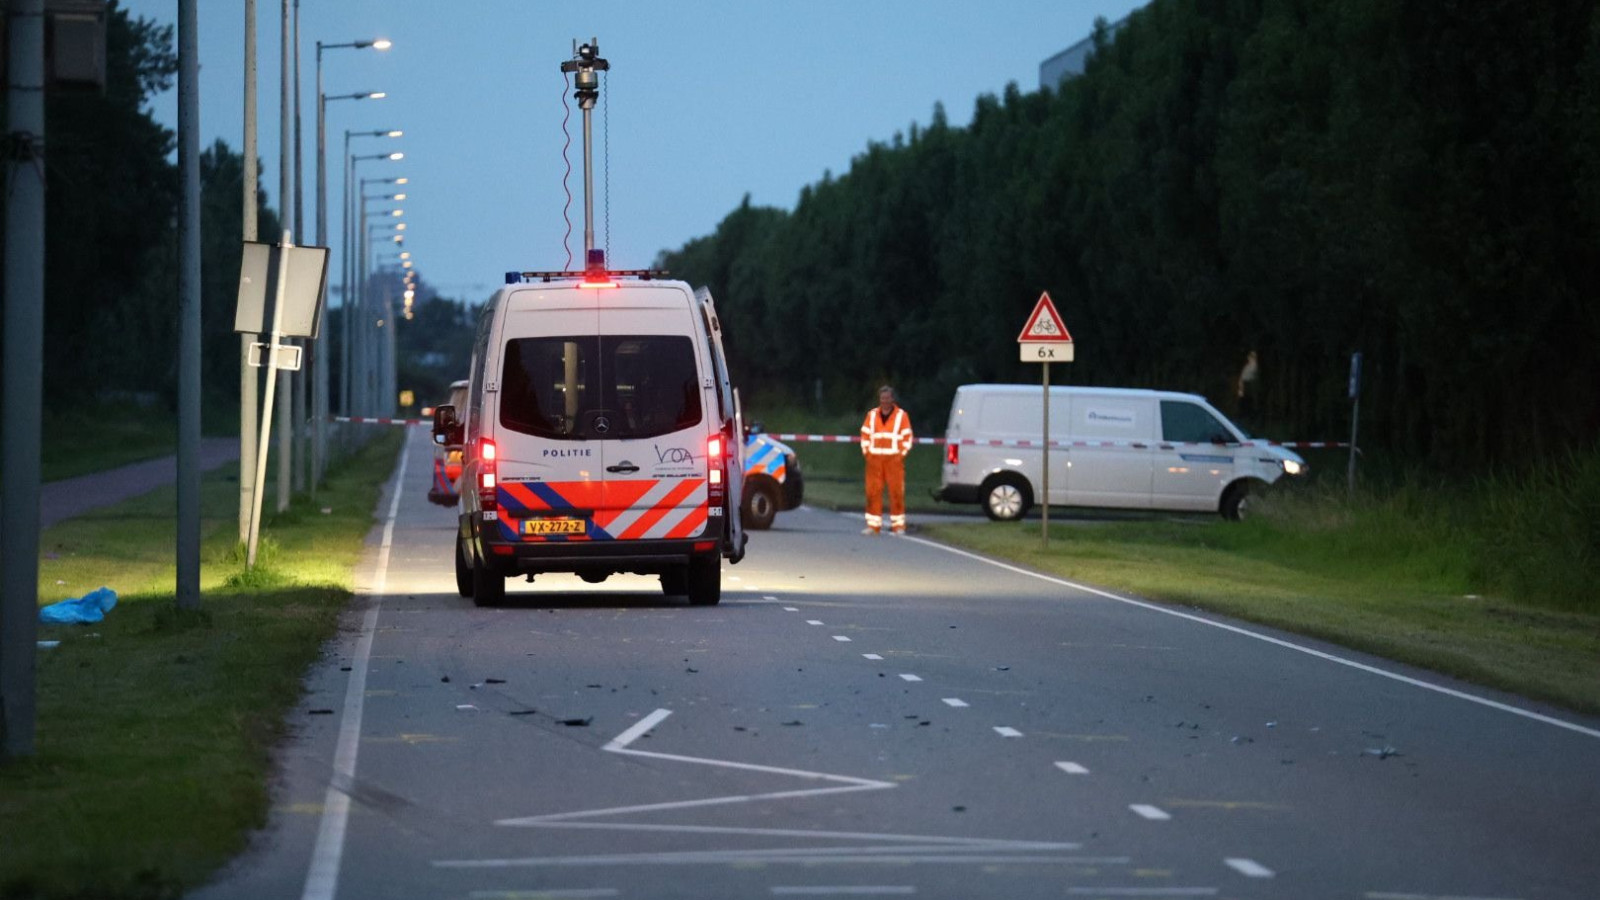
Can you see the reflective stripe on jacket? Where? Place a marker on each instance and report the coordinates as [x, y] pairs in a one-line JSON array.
[[891, 438]]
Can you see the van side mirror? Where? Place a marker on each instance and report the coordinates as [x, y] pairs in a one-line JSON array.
[[446, 426]]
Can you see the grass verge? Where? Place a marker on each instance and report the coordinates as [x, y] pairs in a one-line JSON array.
[[155, 727], [1394, 575]]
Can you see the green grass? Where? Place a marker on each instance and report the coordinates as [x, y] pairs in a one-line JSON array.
[[155, 727], [1398, 575], [93, 438]]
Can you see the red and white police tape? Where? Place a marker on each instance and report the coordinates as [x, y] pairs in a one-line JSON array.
[[965, 442], [1140, 445], [369, 420]]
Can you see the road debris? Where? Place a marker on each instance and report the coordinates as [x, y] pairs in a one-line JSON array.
[[577, 723]]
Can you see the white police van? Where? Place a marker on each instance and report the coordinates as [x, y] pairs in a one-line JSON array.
[[1125, 448], [601, 434]]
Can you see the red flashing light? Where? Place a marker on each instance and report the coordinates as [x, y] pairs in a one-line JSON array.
[[487, 474], [952, 453], [602, 280], [488, 451]]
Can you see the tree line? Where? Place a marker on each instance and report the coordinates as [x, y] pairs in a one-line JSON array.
[[1418, 180]]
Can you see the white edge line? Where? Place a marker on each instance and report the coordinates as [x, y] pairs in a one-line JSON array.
[[1371, 670], [637, 730], [327, 855]]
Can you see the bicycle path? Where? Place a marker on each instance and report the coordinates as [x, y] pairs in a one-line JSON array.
[[69, 497]]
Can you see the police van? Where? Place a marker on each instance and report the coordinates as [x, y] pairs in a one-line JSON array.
[[601, 435], [1123, 448]]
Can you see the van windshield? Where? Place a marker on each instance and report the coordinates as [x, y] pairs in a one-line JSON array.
[[615, 387]]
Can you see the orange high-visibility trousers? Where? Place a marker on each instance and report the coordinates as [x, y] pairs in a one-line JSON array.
[[886, 471]]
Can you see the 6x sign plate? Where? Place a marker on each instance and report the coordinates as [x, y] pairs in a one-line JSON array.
[[1046, 351]]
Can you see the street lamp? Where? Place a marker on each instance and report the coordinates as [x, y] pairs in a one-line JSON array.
[[353, 337], [319, 405]]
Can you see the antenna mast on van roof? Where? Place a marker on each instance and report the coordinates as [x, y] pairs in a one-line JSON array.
[[585, 63]]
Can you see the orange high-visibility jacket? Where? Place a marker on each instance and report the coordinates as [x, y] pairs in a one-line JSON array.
[[891, 438]]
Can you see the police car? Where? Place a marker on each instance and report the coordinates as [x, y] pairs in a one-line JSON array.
[[447, 457], [772, 479]]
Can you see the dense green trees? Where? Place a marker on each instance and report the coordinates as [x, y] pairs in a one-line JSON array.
[[111, 258], [1415, 179]]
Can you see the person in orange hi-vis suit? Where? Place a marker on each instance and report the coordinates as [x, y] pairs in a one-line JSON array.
[[885, 441]]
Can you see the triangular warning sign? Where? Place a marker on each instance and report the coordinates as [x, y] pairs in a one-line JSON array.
[[1044, 324]]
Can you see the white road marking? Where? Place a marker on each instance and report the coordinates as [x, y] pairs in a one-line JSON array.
[[955, 702], [845, 890], [907, 676], [841, 638], [848, 856], [546, 894], [1288, 645], [1007, 731], [791, 609], [638, 730], [813, 621], [327, 855], [1248, 867], [1381, 895], [1072, 768], [1153, 813], [769, 597], [1141, 891], [871, 656]]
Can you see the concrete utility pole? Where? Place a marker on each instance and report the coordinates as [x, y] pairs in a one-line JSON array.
[[285, 409], [298, 415], [249, 379], [188, 543], [24, 375]]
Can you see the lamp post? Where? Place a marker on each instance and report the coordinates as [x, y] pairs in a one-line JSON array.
[[350, 290], [368, 348]]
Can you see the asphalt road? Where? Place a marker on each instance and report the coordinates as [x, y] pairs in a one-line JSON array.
[[889, 717]]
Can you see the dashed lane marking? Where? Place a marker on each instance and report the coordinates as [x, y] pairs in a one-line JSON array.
[[841, 638], [813, 621], [907, 676], [791, 609], [546, 894], [1153, 813], [955, 702], [1248, 867], [1007, 731], [1141, 892], [844, 890], [871, 656], [1072, 768]]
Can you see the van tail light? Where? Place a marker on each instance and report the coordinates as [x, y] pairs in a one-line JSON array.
[[488, 472], [716, 476], [952, 453]]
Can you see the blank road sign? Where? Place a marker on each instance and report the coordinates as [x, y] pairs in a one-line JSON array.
[[302, 299]]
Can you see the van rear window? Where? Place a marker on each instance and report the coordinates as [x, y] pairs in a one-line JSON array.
[[614, 387]]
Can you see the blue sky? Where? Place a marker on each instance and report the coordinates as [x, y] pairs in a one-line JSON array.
[[709, 100]]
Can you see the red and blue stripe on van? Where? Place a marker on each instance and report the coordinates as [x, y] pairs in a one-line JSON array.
[[663, 508]]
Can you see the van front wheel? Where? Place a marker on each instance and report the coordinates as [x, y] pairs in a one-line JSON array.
[[1006, 498], [1236, 502]]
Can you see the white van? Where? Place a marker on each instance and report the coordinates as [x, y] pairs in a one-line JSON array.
[[601, 435], [1110, 447]]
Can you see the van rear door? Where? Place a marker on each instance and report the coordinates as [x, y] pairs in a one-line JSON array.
[[729, 408], [652, 420]]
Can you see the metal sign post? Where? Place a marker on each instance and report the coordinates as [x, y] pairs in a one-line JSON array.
[[1045, 339], [295, 277]]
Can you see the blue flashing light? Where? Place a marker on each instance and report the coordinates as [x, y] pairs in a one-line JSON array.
[[513, 277]]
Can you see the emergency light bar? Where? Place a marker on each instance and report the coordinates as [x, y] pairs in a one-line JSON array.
[[547, 277]]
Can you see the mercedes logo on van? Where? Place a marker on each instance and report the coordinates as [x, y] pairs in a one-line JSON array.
[[602, 425]]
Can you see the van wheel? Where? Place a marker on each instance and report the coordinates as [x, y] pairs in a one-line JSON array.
[[705, 580], [760, 505], [488, 585], [675, 582], [1236, 502], [463, 572], [1006, 498]]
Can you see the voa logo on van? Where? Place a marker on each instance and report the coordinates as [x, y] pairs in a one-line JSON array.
[[564, 454]]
